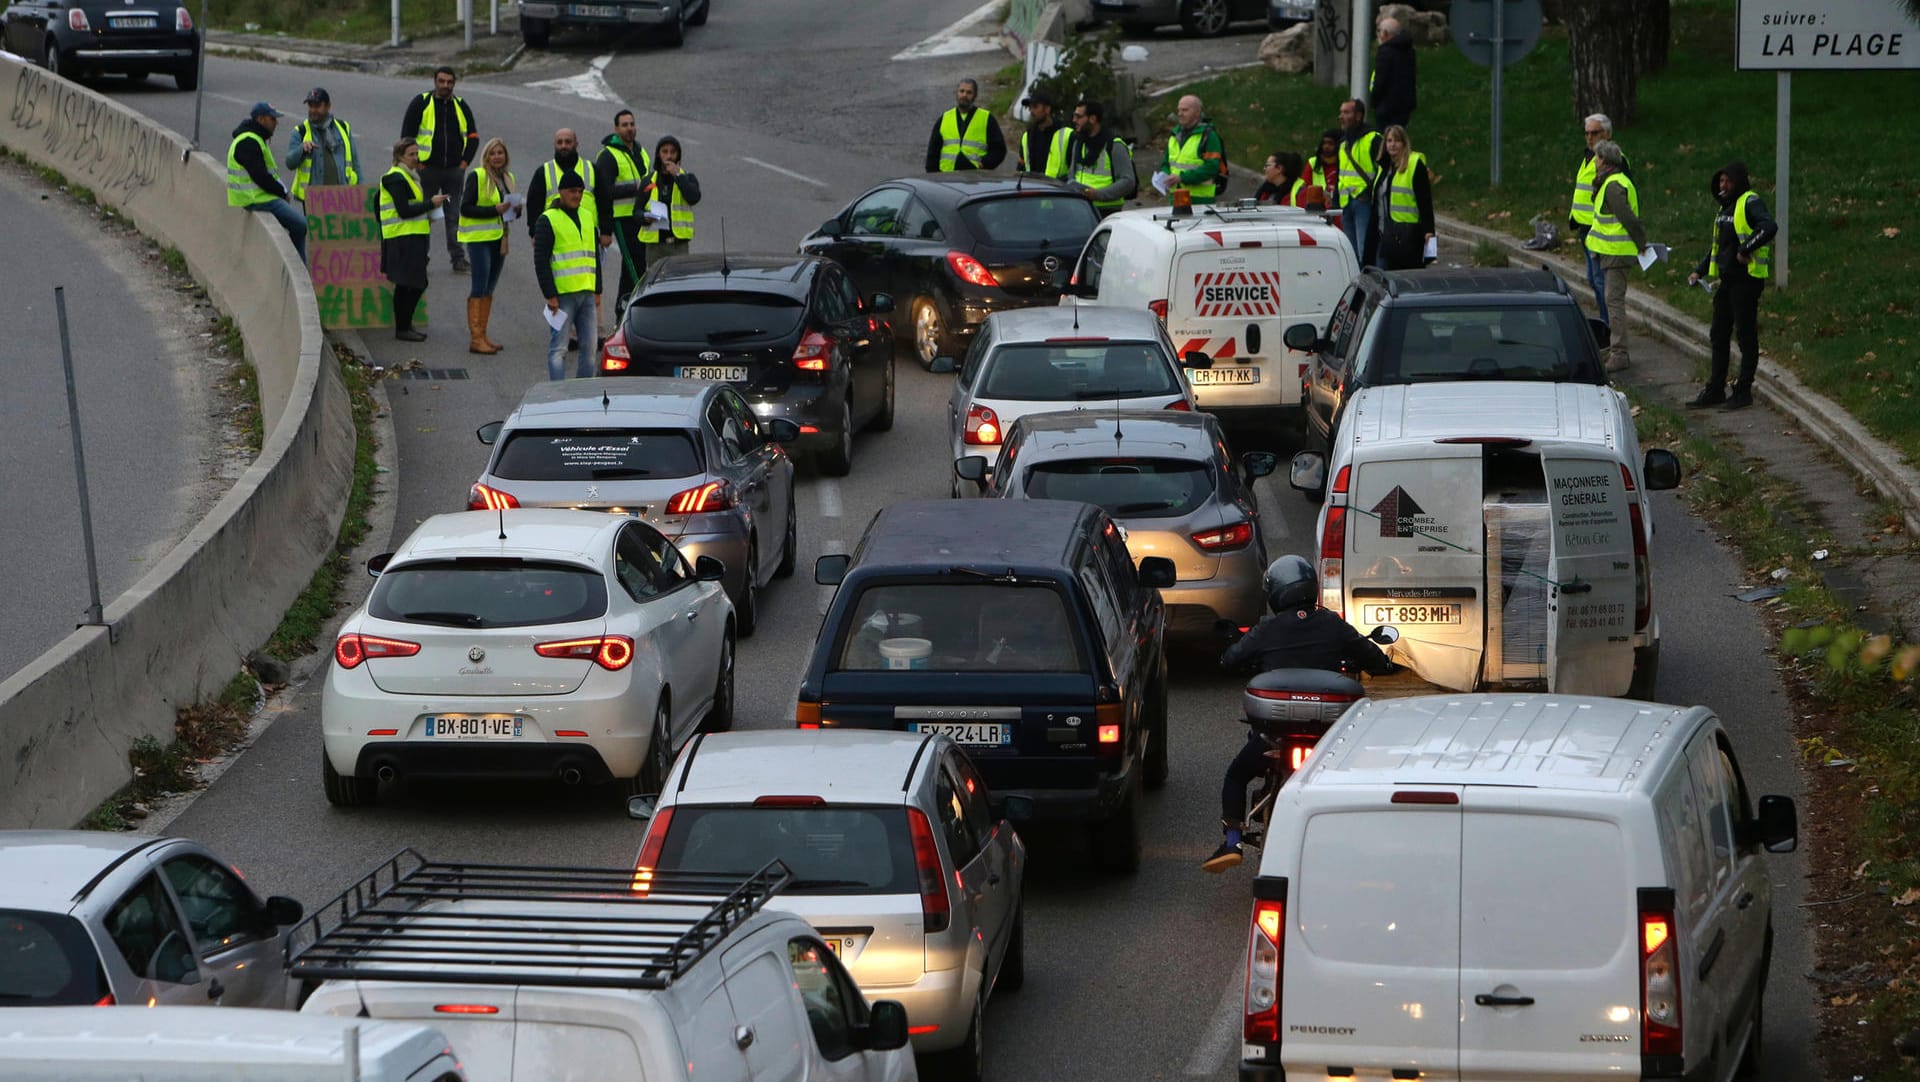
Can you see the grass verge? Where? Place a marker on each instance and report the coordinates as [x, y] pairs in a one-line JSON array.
[[367, 22], [200, 732], [242, 383]]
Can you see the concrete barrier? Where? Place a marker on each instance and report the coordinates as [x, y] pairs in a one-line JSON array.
[[179, 634]]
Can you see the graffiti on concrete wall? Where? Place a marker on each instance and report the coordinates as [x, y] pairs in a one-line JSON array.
[[89, 138]]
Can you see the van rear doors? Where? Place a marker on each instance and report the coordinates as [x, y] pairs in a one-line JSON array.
[[1231, 296], [1593, 601]]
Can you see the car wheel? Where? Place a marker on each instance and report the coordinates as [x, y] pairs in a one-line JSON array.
[[187, 78], [1155, 766], [719, 717], [790, 545], [1204, 18], [883, 421], [700, 18], [1646, 673], [746, 607], [929, 333], [535, 32], [345, 790], [1013, 967], [56, 64], [838, 462], [1116, 840], [963, 1064], [137, 75], [675, 34], [1756, 1037], [652, 778]]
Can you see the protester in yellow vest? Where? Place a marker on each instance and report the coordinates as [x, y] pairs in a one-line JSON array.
[[1580, 217], [1099, 162], [251, 182], [620, 182], [320, 149], [1361, 156], [675, 189], [1196, 156], [566, 261], [484, 202], [1408, 188], [1043, 146], [966, 136], [1740, 258], [449, 137], [1617, 238], [406, 234]]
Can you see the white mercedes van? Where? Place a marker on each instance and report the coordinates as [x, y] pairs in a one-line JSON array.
[[1485, 887], [1504, 527], [1227, 280]]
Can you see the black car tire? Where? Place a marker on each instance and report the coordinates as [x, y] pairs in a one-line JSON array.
[[965, 1063], [883, 420], [746, 607], [1646, 673], [700, 18], [1116, 840], [930, 338], [137, 75], [1205, 18], [535, 32], [675, 35], [55, 64], [1749, 1065], [345, 790], [1013, 964], [837, 461], [719, 717], [1155, 769], [188, 77], [790, 547], [652, 778]]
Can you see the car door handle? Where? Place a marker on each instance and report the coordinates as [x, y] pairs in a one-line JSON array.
[[1485, 1000], [742, 1037], [215, 990], [1744, 900], [693, 614], [1713, 952]]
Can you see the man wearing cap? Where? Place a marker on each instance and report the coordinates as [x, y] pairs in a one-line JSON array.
[[251, 182], [566, 261], [320, 149], [449, 140], [1043, 146]]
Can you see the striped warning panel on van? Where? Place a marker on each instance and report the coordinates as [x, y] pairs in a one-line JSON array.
[[1237, 293]]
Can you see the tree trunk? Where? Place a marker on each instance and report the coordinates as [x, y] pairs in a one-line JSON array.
[[1600, 47], [1653, 31]]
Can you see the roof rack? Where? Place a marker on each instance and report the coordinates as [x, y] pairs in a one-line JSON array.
[[413, 919]]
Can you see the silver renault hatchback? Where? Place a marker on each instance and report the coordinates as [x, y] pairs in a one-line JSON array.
[[898, 862]]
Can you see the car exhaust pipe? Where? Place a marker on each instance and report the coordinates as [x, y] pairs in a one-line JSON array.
[[569, 775], [386, 774]]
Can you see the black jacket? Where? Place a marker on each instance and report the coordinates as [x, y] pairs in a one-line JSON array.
[[996, 145], [448, 151], [1040, 141], [664, 186], [607, 185], [1762, 223], [1304, 639], [403, 201], [470, 199], [543, 252], [1392, 98], [537, 193], [255, 163]]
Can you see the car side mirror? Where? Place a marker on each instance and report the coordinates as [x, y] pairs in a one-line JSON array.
[[1308, 471], [880, 303], [1778, 824], [779, 429], [831, 570], [1301, 337], [1259, 464], [942, 366], [1016, 809], [886, 1027], [1157, 572], [1661, 470], [642, 807], [832, 228], [283, 910], [1602, 334], [1193, 358], [709, 569], [379, 563], [971, 468], [489, 432]]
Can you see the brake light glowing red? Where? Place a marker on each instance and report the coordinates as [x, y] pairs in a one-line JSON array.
[[351, 649], [610, 652], [982, 428], [1261, 1021], [465, 1008], [970, 270], [712, 496], [1158, 308], [1659, 978], [650, 847], [915, 1031], [806, 714], [104, 1001], [814, 353], [936, 910], [1298, 754], [487, 498], [1229, 538], [1341, 479], [1109, 734], [614, 356]]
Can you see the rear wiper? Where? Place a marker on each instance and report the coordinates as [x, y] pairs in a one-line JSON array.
[[450, 619], [736, 332], [1007, 574], [601, 472]]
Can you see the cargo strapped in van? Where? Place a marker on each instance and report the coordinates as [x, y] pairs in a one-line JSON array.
[[412, 919]]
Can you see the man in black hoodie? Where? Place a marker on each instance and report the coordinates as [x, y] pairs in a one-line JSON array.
[[449, 140], [620, 178], [1739, 258], [1391, 94], [251, 182]]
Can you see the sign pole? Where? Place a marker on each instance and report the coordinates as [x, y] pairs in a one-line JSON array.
[[1782, 150], [466, 23], [1499, 44], [396, 24], [94, 613], [200, 81], [1359, 60], [493, 17]]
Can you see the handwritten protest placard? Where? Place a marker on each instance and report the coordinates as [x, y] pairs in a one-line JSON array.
[[343, 254]]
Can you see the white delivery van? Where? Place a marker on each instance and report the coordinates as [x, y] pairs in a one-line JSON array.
[[235, 1044], [1227, 280], [1503, 527], [1493, 887]]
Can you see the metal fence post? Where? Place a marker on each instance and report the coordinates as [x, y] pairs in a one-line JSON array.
[[94, 615]]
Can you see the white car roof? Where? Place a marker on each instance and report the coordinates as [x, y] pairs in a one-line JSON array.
[[1566, 742], [45, 869], [196, 1036], [1094, 321], [1424, 412], [531, 532], [841, 766], [1224, 218]]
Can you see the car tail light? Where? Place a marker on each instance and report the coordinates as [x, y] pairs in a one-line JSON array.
[[610, 652], [814, 353], [465, 1008], [77, 20], [790, 802], [1299, 750], [1659, 976], [915, 1031], [182, 21], [1180, 404], [983, 427], [712, 496], [351, 649], [936, 911], [1109, 720], [487, 498], [383, 732], [1229, 538], [1333, 547], [650, 848], [104, 1001], [970, 270], [1261, 1021], [1642, 566], [1158, 308], [1340, 480], [806, 714], [1423, 796], [614, 356]]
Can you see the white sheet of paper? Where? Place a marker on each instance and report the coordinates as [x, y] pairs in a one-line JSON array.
[[1432, 250], [1652, 254], [508, 215], [657, 211], [1163, 182], [555, 318], [437, 214]]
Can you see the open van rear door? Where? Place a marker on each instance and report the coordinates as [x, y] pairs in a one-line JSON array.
[[1590, 610]]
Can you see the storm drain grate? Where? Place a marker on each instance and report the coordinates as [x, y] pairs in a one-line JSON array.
[[435, 373]]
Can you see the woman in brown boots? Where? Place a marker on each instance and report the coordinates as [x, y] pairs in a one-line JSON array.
[[482, 203]]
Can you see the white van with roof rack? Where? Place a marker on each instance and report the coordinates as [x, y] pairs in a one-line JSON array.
[[1227, 280], [1481, 887]]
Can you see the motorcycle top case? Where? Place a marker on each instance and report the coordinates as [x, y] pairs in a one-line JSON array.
[[1300, 695]]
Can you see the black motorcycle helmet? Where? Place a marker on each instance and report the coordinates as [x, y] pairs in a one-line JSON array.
[[1291, 584]]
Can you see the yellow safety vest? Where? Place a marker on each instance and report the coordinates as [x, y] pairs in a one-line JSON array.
[[953, 143], [1054, 164], [1608, 236], [1085, 173], [303, 175], [428, 122], [1184, 154], [1742, 232], [391, 224], [1401, 205], [241, 190], [488, 227], [574, 256], [1356, 174], [626, 169], [1583, 190], [679, 218]]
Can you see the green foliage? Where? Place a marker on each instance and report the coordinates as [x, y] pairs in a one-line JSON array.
[[1086, 70], [367, 21], [1489, 254]]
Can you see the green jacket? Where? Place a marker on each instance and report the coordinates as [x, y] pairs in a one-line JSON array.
[[1213, 154]]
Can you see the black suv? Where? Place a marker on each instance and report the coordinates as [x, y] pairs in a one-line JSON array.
[[1020, 629], [89, 37], [1399, 327]]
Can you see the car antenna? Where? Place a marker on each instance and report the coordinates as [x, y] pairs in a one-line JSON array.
[[606, 402], [726, 265], [502, 512]]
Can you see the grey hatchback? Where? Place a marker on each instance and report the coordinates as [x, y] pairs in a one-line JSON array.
[[1170, 481], [94, 919], [688, 457]]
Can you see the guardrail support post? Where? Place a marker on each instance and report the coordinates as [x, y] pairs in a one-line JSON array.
[[94, 615]]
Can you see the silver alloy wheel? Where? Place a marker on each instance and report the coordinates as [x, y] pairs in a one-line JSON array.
[[1207, 17], [659, 749], [926, 331]]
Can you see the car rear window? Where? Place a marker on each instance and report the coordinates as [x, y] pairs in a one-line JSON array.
[[601, 454], [47, 960], [962, 627], [1027, 220], [719, 318], [1546, 344], [1125, 487], [488, 593], [1063, 372], [832, 850]]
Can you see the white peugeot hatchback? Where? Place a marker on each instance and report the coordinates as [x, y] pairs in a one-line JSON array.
[[571, 645]]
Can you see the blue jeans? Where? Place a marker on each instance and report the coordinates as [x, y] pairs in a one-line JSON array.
[[578, 308], [485, 257], [1597, 278], [1355, 219], [294, 221]]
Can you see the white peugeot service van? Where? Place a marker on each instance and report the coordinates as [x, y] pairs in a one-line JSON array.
[[1503, 527], [1227, 280], [1495, 887]]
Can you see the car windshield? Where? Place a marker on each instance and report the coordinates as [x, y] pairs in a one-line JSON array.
[[1427, 345], [1082, 371], [722, 317], [832, 850], [1030, 221], [601, 454], [992, 626], [490, 592], [46, 960], [1125, 487]]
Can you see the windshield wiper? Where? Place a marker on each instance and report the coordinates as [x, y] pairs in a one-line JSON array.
[[733, 333], [450, 619]]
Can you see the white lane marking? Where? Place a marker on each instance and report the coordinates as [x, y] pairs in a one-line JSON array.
[[830, 548], [951, 42], [229, 98], [802, 178], [591, 84], [1222, 1031], [829, 491]]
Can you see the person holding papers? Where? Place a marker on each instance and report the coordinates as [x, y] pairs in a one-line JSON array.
[[1617, 239], [1739, 256], [667, 225], [406, 235], [1407, 231], [486, 203], [566, 260]]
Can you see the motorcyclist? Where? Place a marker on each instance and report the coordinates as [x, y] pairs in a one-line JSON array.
[[1298, 635]]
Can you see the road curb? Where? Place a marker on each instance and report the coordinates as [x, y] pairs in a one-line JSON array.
[[293, 56]]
